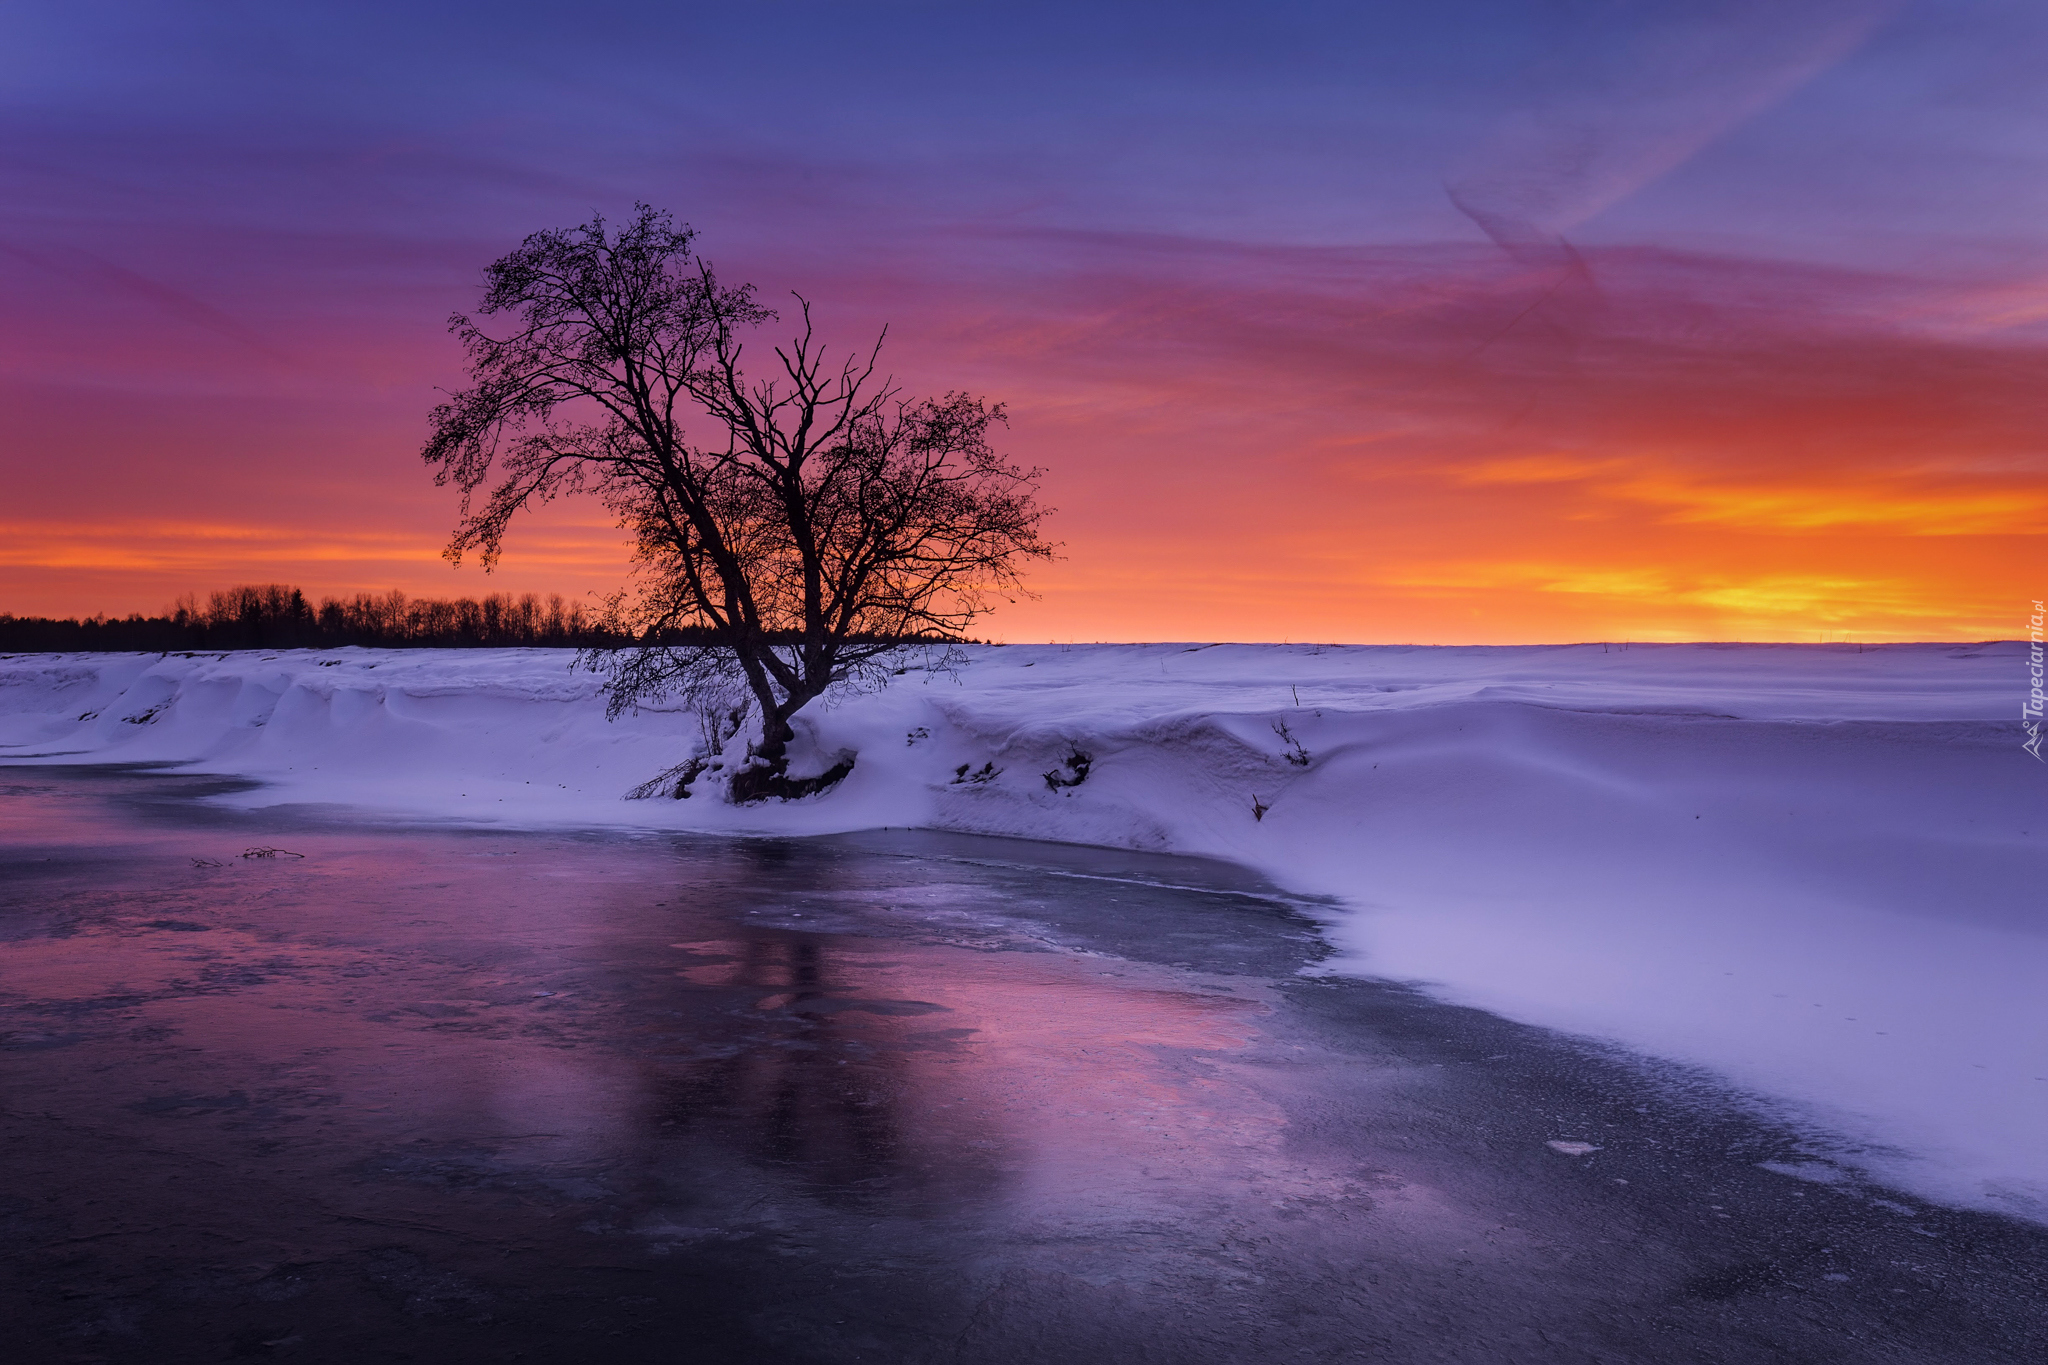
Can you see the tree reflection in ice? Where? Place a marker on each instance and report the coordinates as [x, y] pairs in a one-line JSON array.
[[810, 1075]]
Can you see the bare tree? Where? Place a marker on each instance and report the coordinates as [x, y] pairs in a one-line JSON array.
[[806, 526]]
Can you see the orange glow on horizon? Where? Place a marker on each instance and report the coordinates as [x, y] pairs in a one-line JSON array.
[[1253, 444]]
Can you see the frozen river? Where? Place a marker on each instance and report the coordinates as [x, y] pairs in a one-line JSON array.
[[388, 1092]]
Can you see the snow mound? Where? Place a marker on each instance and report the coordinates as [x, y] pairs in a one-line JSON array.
[[1810, 869]]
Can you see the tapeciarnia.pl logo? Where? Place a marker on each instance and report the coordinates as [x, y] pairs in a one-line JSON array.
[[2030, 712]]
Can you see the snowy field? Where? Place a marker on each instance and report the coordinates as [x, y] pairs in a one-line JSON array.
[[1813, 871]]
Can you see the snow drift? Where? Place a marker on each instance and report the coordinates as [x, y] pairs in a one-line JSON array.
[[1812, 870]]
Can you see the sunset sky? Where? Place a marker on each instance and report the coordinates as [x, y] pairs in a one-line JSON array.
[[1452, 322]]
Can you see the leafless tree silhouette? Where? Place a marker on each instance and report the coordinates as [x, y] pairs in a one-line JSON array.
[[806, 526]]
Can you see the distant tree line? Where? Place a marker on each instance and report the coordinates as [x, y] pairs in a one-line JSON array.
[[274, 616]]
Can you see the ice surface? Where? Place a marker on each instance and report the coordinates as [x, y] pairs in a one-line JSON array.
[[1815, 871]]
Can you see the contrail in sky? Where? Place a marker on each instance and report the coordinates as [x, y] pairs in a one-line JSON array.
[[75, 263], [1616, 108]]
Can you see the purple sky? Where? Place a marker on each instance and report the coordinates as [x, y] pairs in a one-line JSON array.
[[1658, 254]]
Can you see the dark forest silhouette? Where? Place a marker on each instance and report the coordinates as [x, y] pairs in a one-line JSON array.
[[276, 616]]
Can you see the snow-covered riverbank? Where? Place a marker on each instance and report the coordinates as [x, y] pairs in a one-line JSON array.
[[1813, 870]]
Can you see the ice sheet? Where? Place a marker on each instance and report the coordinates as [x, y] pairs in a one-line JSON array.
[[1813, 870]]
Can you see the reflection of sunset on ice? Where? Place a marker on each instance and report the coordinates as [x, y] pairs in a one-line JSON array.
[[933, 1096], [911, 1094], [895, 1083]]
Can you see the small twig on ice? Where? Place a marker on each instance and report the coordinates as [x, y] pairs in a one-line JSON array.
[[268, 852]]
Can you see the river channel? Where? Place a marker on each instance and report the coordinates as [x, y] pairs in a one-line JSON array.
[[293, 1083]]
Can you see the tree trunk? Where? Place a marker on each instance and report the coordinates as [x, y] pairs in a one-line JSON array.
[[776, 733], [768, 774]]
